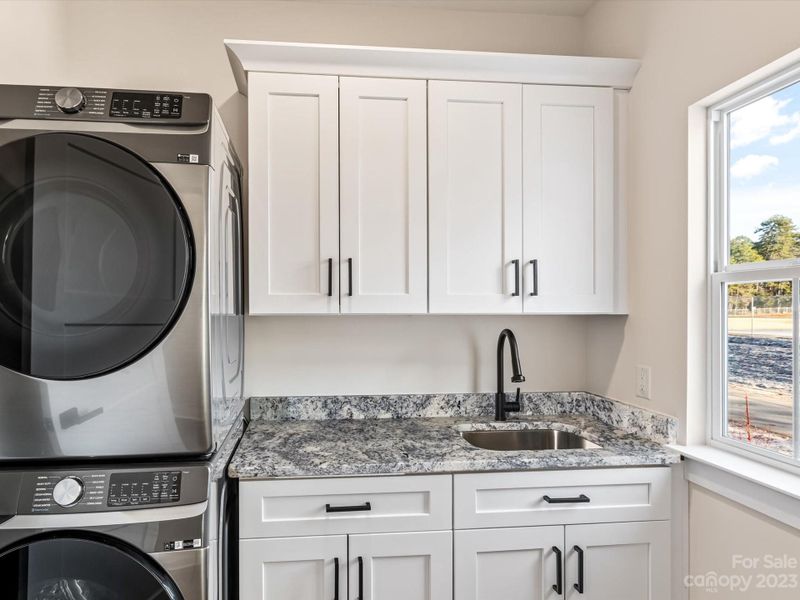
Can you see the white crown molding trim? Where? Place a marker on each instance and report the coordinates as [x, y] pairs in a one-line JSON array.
[[415, 63]]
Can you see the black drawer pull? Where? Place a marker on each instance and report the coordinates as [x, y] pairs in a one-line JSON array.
[[535, 265], [360, 578], [516, 277], [583, 498], [579, 586], [349, 276], [336, 579], [330, 277], [356, 508], [557, 588]]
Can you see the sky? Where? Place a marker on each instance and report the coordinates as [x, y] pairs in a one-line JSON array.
[[765, 161]]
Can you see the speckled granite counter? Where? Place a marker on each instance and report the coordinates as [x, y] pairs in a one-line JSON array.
[[336, 446]]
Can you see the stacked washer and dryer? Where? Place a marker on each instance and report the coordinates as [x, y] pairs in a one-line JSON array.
[[121, 344]]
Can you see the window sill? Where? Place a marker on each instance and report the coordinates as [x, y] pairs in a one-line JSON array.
[[765, 489]]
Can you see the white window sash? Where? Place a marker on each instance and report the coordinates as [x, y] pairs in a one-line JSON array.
[[722, 273]]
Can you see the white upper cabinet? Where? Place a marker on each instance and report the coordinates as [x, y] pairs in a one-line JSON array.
[[383, 202], [398, 181], [294, 194], [569, 208], [475, 202]]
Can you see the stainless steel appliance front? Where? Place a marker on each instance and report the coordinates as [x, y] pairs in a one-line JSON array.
[[126, 369]]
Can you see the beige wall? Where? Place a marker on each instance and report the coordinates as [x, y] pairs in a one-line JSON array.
[[688, 49], [722, 530], [178, 45]]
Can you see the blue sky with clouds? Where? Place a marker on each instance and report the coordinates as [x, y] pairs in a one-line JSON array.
[[765, 161]]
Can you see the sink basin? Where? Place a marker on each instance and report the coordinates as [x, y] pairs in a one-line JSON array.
[[527, 439]]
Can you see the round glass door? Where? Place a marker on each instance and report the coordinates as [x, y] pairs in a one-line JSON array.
[[96, 256], [81, 567]]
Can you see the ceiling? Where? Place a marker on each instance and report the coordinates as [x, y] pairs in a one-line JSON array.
[[561, 8]]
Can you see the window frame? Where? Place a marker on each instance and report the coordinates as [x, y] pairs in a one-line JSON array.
[[720, 272]]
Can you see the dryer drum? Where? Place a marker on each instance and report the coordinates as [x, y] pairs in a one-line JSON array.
[[96, 256]]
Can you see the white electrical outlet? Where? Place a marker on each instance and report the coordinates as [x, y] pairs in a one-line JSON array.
[[643, 382]]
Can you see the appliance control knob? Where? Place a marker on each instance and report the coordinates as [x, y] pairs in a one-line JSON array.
[[70, 100], [68, 491]]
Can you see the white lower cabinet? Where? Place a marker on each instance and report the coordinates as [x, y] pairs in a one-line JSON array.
[[518, 563], [401, 566], [302, 568], [618, 561], [609, 561], [596, 534]]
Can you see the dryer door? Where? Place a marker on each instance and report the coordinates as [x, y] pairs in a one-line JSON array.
[[81, 566], [96, 256]]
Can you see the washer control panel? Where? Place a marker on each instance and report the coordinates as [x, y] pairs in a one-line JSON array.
[[138, 105], [53, 490], [144, 488], [103, 490], [68, 491]]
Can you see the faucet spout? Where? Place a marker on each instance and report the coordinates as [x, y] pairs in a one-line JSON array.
[[502, 407]]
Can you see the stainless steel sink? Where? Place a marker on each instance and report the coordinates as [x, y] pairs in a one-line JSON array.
[[527, 439]]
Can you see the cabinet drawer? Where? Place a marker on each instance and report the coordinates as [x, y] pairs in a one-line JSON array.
[[346, 505], [591, 496]]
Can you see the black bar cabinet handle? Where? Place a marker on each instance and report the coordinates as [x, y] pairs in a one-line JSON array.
[[516, 277], [349, 276], [336, 578], [557, 588], [330, 277], [360, 578], [535, 265], [356, 508], [579, 586], [583, 498]]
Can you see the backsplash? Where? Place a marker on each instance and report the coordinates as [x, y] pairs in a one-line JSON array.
[[631, 419]]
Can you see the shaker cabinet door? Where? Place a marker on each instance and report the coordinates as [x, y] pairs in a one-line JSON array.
[[294, 194], [475, 197], [384, 208], [569, 209], [401, 566], [618, 561], [303, 568], [518, 563]]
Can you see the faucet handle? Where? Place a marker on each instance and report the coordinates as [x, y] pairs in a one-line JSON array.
[[515, 405]]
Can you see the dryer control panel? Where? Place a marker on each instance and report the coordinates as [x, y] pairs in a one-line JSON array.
[[165, 108]]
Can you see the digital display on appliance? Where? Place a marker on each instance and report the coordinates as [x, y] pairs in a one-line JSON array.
[[146, 106], [139, 489]]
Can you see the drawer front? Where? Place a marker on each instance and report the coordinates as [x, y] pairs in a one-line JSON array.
[[591, 496], [345, 505]]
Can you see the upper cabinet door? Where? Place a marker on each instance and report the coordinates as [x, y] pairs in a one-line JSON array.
[[384, 264], [294, 194], [569, 208], [475, 205]]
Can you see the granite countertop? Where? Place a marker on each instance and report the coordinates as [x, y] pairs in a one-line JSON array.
[[392, 446]]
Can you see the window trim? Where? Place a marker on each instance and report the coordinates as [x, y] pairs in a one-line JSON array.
[[720, 273]]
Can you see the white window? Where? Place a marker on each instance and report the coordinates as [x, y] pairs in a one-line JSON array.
[[755, 270]]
